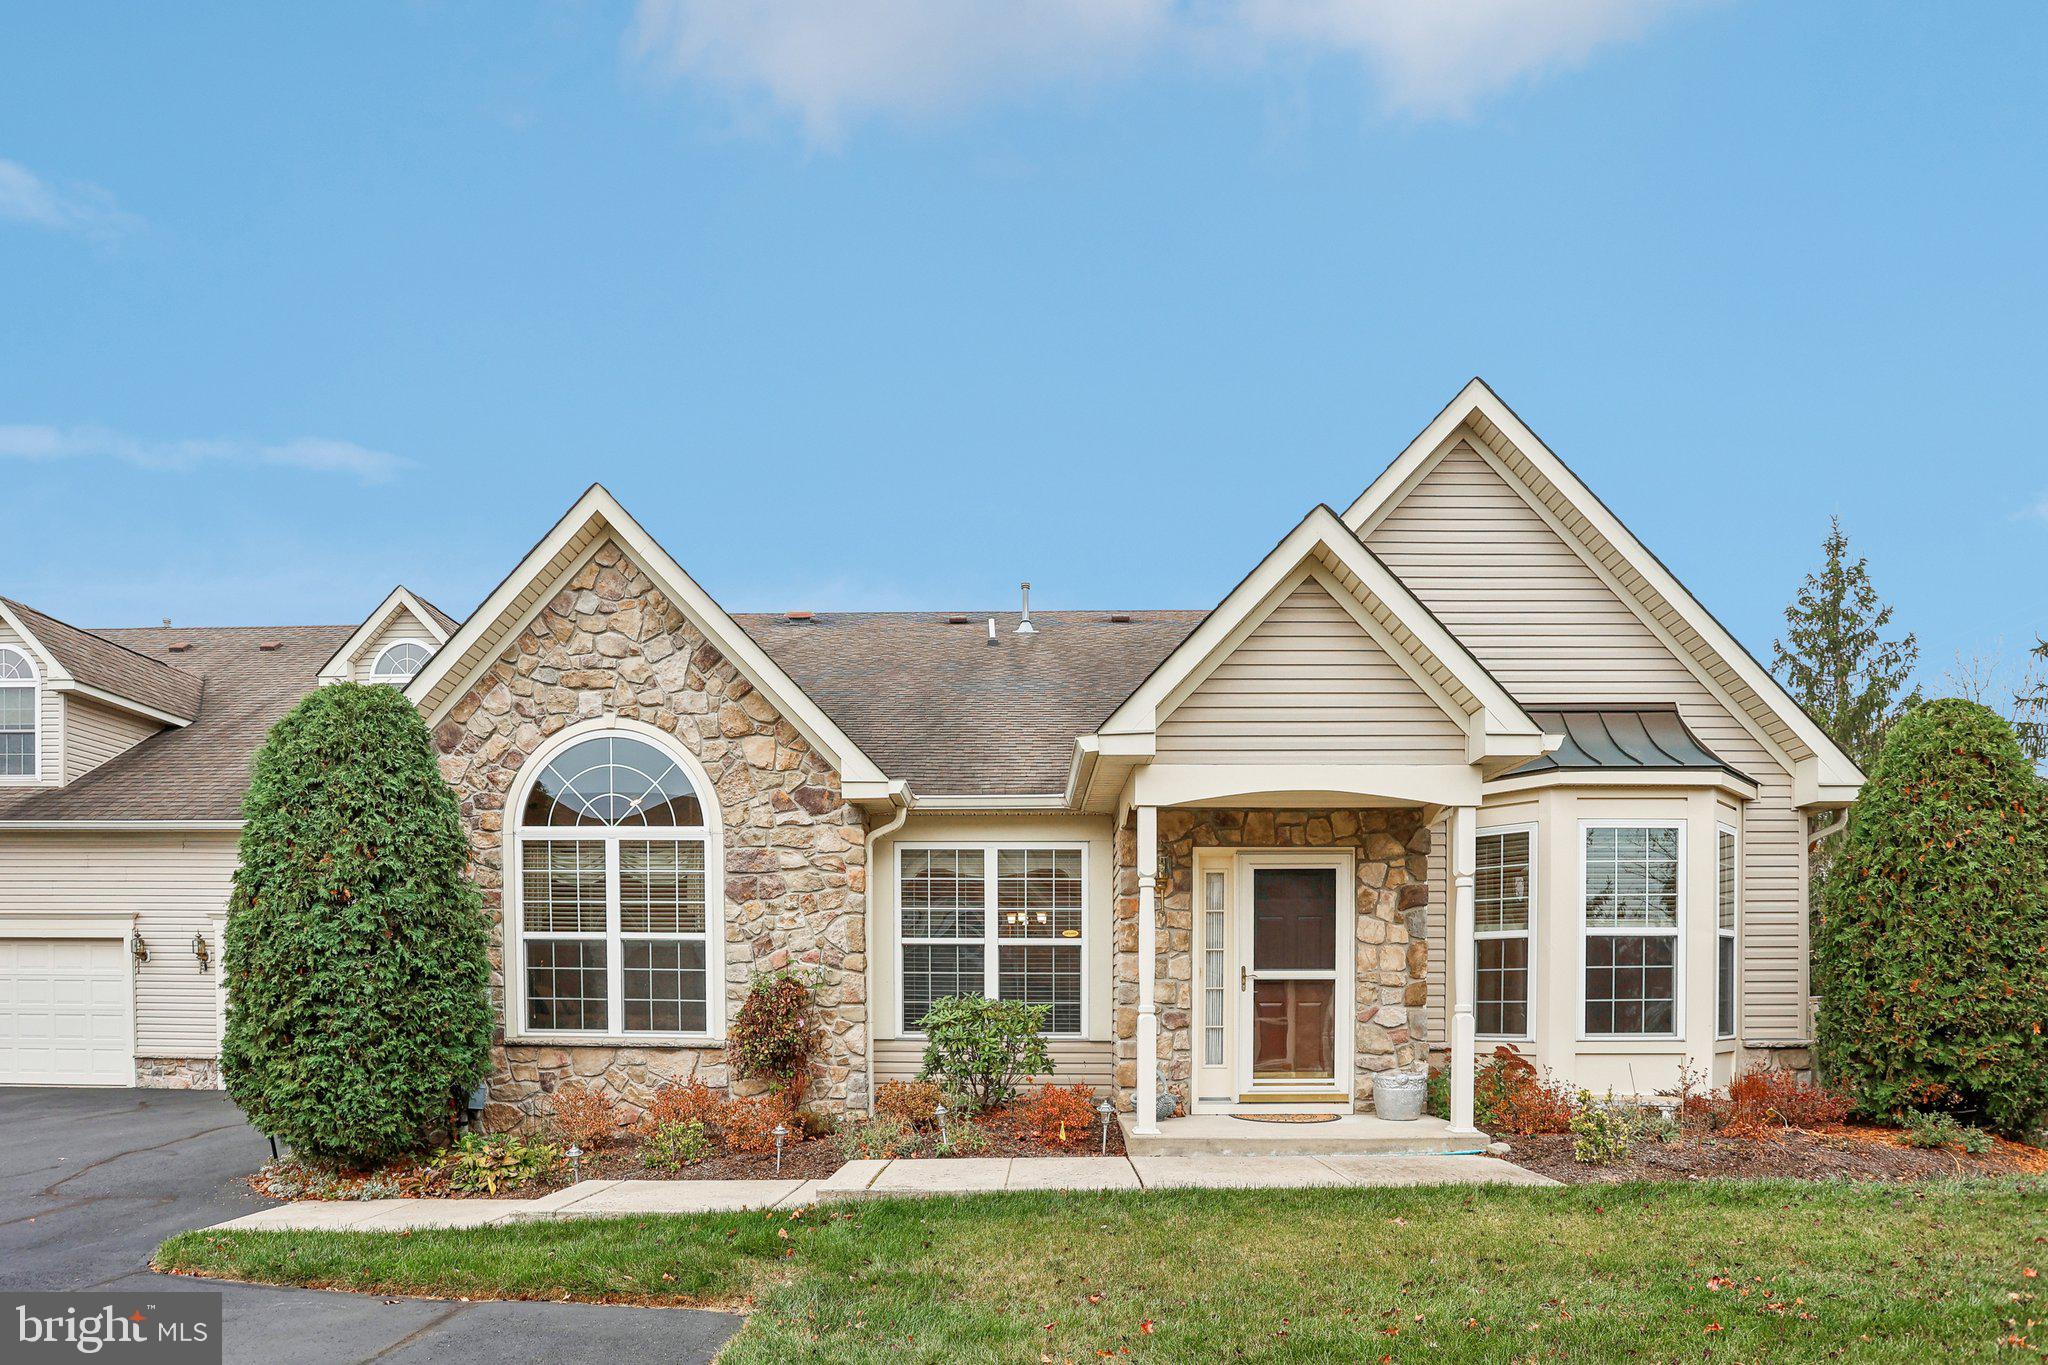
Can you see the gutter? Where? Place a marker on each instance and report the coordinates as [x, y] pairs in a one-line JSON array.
[[875, 837], [119, 826], [1829, 830]]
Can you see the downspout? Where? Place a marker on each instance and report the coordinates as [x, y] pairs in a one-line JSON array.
[[875, 837]]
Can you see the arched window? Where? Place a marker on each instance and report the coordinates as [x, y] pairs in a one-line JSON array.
[[616, 866], [400, 661], [18, 713]]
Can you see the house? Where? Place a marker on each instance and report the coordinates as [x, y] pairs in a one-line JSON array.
[[1460, 766]]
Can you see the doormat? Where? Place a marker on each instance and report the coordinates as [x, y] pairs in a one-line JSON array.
[[1286, 1118]]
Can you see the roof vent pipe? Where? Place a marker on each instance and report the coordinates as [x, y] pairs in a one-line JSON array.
[[991, 630], [1024, 626]]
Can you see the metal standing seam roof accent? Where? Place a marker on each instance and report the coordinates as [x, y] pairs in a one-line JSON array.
[[1624, 738]]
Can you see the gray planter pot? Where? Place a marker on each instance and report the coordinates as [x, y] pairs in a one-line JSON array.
[[1398, 1095]]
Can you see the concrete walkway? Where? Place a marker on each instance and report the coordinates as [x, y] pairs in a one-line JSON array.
[[891, 1179]]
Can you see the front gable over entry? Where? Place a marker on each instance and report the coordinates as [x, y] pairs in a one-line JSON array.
[[1322, 670], [596, 520]]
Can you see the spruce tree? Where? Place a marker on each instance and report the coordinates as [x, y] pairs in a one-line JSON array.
[[1835, 659], [357, 975]]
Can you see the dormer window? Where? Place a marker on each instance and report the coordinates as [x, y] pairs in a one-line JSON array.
[[400, 661], [18, 710]]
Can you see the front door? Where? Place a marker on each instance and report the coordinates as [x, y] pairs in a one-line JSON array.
[[1294, 978]]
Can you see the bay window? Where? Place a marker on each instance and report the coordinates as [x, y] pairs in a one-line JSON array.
[[1727, 911], [1001, 921], [1502, 903], [1632, 898], [613, 909]]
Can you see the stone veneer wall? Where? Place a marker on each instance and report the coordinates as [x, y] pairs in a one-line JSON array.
[[795, 852], [1392, 957], [177, 1073]]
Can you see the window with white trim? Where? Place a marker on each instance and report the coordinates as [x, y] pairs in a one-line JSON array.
[[397, 662], [1632, 879], [18, 714], [1502, 902], [1727, 911], [613, 922], [999, 921]]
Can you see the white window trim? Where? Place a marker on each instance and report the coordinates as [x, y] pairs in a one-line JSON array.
[[711, 833], [991, 958], [36, 696], [1533, 830], [1734, 934], [1677, 934], [400, 678]]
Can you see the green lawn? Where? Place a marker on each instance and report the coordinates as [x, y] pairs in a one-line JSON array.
[[1719, 1271]]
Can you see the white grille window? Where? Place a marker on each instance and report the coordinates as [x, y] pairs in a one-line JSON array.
[[1212, 969], [18, 714], [1502, 894], [398, 662], [613, 893], [1727, 915], [1632, 898], [997, 921]]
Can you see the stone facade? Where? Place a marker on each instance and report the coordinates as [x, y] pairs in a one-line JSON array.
[[177, 1073], [1392, 950], [609, 643]]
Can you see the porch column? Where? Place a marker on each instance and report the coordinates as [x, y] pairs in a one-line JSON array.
[[1148, 969], [1463, 975]]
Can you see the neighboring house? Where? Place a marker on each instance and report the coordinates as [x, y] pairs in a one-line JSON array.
[[1462, 766]]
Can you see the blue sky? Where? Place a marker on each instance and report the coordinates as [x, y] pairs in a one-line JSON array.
[[894, 304]]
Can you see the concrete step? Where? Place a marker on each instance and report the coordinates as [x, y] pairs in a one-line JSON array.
[[1346, 1135]]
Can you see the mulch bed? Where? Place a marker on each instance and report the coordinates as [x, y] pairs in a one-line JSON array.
[[1845, 1152], [1005, 1133]]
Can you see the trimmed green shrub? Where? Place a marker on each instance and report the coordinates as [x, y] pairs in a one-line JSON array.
[[982, 1048], [1930, 950], [357, 976], [672, 1146]]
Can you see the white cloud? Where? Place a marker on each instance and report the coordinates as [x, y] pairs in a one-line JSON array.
[[831, 62], [26, 197], [317, 453]]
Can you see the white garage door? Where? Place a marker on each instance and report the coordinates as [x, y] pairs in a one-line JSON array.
[[64, 1012]]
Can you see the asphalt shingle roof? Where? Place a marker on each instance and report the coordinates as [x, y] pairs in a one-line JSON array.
[[100, 661], [934, 703], [198, 772]]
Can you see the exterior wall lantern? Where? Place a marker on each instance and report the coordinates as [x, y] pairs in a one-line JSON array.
[[202, 950], [137, 949]]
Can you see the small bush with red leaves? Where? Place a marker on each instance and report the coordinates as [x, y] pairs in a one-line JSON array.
[[1772, 1096], [1062, 1115], [748, 1125], [678, 1104], [911, 1103], [1509, 1096], [583, 1117]]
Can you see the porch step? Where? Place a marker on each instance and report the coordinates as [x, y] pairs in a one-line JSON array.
[[1347, 1135]]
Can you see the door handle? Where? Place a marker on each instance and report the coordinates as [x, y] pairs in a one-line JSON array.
[[1244, 978]]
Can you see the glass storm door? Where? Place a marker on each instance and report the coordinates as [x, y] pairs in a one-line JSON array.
[[1290, 976]]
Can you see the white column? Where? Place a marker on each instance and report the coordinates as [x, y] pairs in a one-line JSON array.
[[1148, 969], [1462, 976]]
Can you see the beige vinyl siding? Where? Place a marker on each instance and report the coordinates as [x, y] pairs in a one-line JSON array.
[[1309, 684], [177, 884], [95, 732], [1074, 1062], [1536, 614], [403, 625], [49, 719]]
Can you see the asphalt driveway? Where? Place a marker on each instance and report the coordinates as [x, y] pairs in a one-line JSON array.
[[92, 1180]]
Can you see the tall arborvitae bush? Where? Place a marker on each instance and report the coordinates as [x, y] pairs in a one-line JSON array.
[[357, 976], [1930, 950]]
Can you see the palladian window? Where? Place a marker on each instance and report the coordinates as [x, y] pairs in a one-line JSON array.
[[17, 714], [613, 900], [400, 661]]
